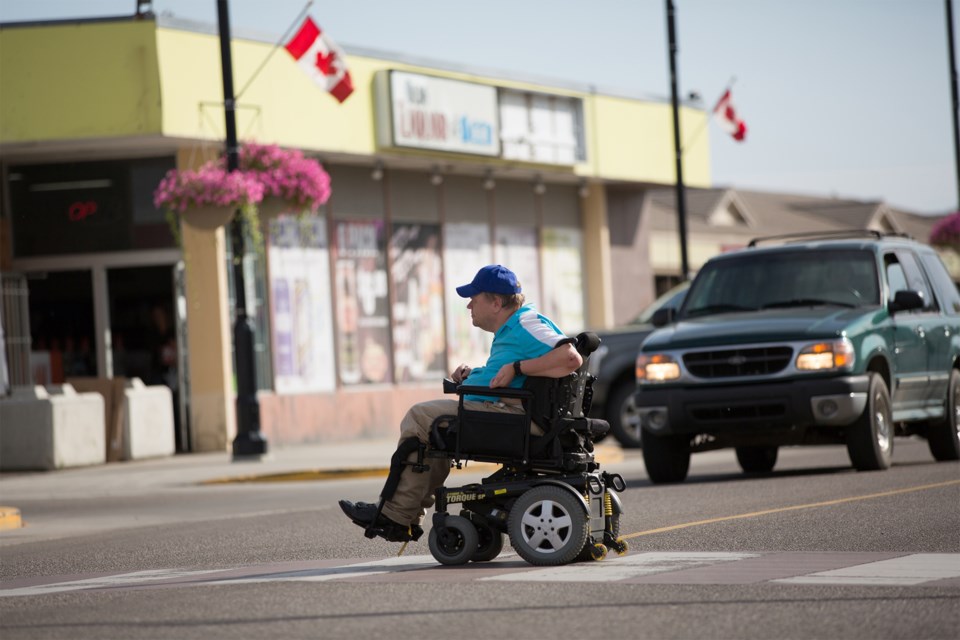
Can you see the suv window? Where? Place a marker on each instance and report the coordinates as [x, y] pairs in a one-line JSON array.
[[915, 280], [946, 290], [792, 278]]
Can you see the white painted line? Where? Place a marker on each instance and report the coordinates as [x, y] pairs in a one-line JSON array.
[[359, 570], [615, 568], [123, 579], [908, 570]]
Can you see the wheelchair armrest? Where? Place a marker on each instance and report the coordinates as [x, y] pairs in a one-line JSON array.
[[499, 392], [449, 386]]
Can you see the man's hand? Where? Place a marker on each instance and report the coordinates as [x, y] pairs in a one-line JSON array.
[[504, 377], [460, 373]]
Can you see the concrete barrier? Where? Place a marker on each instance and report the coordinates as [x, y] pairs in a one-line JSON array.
[[148, 421], [51, 428]]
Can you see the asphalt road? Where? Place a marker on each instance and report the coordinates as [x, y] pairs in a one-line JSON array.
[[812, 550]]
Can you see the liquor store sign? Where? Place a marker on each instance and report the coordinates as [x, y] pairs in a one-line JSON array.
[[426, 112]]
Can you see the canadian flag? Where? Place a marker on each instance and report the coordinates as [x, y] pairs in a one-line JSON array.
[[727, 117], [321, 59]]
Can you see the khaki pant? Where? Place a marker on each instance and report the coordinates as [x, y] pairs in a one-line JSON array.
[[414, 493]]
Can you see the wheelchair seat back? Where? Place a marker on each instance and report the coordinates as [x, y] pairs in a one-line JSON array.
[[557, 405]]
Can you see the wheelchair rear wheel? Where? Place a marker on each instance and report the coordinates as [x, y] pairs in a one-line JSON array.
[[548, 526], [455, 542]]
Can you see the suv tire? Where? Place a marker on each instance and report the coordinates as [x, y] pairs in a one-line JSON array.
[[667, 458], [943, 436], [870, 438], [622, 415]]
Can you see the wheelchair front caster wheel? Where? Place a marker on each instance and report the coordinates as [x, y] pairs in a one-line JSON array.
[[490, 542], [455, 542]]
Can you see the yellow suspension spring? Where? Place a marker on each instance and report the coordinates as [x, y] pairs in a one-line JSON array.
[[607, 504]]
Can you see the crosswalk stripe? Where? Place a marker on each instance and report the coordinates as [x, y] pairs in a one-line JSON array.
[[666, 567]]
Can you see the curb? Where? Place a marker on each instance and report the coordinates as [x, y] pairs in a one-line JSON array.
[[604, 454], [10, 518]]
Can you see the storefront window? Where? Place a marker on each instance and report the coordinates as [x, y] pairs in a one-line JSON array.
[[87, 207], [303, 352], [363, 320]]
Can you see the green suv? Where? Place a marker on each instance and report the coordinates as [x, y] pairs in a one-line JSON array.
[[817, 339]]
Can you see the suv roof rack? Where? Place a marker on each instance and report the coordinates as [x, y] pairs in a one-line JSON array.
[[845, 233]]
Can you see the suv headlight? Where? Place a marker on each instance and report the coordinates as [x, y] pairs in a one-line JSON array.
[[826, 356], [657, 367]]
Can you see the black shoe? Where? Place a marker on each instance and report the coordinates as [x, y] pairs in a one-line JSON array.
[[362, 514]]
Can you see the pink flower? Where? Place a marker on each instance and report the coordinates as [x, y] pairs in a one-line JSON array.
[[210, 185], [287, 174], [265, 170], [947, 231]]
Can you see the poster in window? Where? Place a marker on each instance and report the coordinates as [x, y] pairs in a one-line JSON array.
[[517, 250], [563, 278], [363, 320], [300, 300], [466, 248], [416, 270]]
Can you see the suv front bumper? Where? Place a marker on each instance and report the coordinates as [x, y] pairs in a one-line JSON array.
[[829, 402]]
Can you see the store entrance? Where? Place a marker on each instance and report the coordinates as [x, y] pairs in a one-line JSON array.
[[146, 331], [61, 326]]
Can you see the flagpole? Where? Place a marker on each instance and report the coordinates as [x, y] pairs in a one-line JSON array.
[[276, 46], [955, 101], [678, 150], [703, 125], [249, 442]]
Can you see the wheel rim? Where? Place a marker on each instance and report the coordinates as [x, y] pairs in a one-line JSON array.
[[547, 526], [450, 540], [882, 422], [956, 410], [630, 418]]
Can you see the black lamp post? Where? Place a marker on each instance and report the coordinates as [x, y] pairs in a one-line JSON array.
[[677, 148], [249, 440]]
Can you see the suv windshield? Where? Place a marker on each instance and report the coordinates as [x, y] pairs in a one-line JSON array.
[[802, 278]]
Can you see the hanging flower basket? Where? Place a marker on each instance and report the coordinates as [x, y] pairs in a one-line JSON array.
[[291, 182], [207, 216], [270, 181]]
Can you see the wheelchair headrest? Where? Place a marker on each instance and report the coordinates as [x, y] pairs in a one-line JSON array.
[[587, 343]]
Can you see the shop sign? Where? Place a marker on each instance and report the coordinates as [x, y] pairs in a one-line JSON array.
[[425, 112]]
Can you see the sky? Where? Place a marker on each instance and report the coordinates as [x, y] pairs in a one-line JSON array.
[[843, 98]]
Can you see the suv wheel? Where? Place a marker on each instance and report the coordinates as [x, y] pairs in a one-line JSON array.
[[870, 438], [623, 417], [757, 459], [667, 458], [943, 436]]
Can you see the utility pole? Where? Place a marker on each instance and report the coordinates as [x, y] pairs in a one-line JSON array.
[[249, 441], [955, 102], [677, 148]]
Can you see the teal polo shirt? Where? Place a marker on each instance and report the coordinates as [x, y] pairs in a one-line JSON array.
[[524, 336]]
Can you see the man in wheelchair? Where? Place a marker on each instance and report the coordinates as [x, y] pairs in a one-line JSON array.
[[525, 409]]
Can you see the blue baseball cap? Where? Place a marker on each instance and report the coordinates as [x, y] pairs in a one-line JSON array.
[[493, 278]]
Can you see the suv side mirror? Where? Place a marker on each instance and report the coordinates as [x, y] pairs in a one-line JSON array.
[[663, 317], [906, 300]]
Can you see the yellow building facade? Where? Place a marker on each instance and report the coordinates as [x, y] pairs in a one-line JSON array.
[[94, 112]]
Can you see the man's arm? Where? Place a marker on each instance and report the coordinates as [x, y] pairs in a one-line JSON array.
[[556, 363]]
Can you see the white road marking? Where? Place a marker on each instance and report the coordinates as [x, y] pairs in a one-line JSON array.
[[907, 570], [361, 569], [622, 567], [102, 582]]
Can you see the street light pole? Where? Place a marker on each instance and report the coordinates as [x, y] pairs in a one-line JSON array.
[[249, 441], [954, 99], [677, 148]]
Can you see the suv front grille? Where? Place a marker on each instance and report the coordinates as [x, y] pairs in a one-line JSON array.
[[733, 363]]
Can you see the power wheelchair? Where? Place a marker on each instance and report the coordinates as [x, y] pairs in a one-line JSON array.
[[549, 496]]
